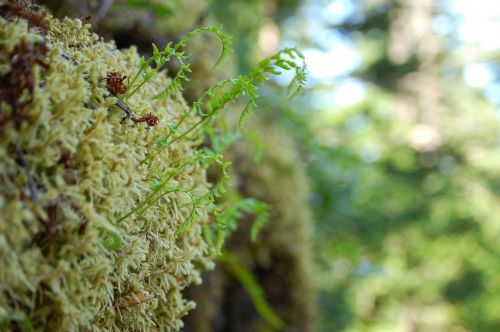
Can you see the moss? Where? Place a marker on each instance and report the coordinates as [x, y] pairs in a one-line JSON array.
[[69, 170], [86, 167], [141, 26]]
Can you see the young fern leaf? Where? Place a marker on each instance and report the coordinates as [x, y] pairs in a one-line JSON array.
[[208, 235], [285, 59], [160, 187], [207, 107], [247, 111], [254, 290], [225, 40], [146, 72], [261, 211], [113, 240], [222, 232], [188, 220], [220, 187], [176, 83], [157, 186], [227, 219], [220, 94], [160, 58]]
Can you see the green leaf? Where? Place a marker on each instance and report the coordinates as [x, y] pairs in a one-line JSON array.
[[262, 217], [254, 290], [113, 240], [158, 8]]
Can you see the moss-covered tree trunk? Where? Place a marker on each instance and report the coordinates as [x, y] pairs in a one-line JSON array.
[[280, 260]]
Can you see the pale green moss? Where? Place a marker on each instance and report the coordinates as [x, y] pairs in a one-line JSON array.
[[142, 25], [65, 281], [138, 19]]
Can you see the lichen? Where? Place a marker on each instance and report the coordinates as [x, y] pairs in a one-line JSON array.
[[69, 171]]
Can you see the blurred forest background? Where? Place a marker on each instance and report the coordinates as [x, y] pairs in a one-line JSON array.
[[398, 131]]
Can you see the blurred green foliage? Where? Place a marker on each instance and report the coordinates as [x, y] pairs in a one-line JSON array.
[[406, 234], [243, 19], [409, 237]]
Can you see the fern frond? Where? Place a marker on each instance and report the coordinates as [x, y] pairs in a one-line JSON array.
[[225, 40], [247, 111], [176, 83], [222, 233], [227, 219], [261, 211], [113, 239], [210, 103], [190, 217], [254, 290]]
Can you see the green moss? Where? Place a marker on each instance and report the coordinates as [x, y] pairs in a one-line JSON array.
[[142, 18], [104, 214], [140, 23], [58, 271]]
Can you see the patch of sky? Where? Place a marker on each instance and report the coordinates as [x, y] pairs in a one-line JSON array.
[[344, 93], [478, 75], [492, 93], [442, 25], [479, 22], [331, 55], [336, 12], [366, 268]]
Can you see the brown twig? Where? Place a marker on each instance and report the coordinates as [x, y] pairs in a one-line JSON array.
[[117, 81], [118, 103], [130, 115]]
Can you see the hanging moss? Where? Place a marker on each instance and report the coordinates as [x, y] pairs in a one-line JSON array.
[[69, 166]]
